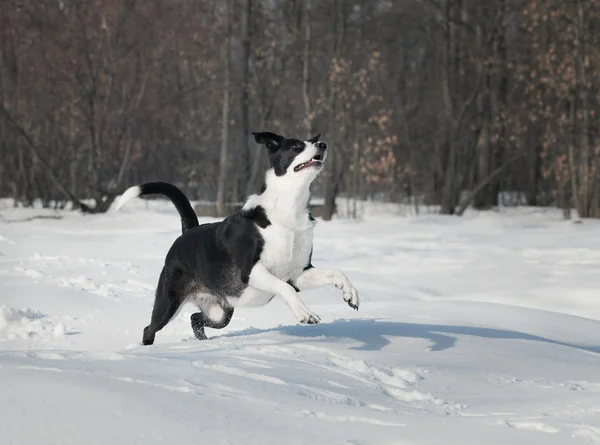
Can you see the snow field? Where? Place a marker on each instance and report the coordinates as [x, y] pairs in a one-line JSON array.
[[482, 330]]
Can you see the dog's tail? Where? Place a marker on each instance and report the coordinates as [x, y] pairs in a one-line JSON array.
[[177, 197]]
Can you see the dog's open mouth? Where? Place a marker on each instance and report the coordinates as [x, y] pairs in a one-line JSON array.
[[317, 160]]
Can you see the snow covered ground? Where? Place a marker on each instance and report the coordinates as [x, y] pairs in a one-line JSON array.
[[476, 330]]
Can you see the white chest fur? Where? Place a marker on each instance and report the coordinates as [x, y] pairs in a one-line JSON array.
[[286, 251], [288, 237], [285, 254]]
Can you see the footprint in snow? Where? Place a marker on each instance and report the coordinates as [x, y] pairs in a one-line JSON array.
[[532, 425]]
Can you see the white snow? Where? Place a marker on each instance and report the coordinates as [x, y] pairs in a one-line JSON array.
[[476, 330]]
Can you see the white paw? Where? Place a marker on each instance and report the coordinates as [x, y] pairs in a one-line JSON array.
[[351, 297], [350, 292], [306, 316]]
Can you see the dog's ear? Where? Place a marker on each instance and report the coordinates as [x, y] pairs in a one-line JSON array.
[[270, 140], [314, 138]]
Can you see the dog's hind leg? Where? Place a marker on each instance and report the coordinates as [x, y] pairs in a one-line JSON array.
[[170, 295], [214, 316]]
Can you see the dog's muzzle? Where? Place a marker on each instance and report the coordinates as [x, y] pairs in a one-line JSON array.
[[317, 160]]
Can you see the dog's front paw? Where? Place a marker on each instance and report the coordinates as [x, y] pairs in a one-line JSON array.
[[350, 292], [305, 316], [312, 319], [351, 297]]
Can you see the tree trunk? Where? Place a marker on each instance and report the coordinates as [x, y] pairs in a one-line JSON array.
[[481, 200], [501, 103], [244, 155], [308, 118], [334, 169], [484, 182], [586, 190], [224, 155], [572, 167], [448, 198]]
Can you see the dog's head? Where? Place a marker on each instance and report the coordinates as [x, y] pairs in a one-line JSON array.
[[292, 157]]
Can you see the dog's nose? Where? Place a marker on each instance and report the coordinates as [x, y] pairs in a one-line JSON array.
[[322, 146]]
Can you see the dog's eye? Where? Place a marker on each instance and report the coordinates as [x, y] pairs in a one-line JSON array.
[[298, 148]]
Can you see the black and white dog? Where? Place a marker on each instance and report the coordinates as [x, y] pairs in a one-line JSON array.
[[261, 251]]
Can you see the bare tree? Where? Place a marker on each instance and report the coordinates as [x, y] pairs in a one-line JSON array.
[[244, 154], [224, 154], [334, 170], [448, 103], [306, 66]]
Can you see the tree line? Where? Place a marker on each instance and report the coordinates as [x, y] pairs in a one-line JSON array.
[[449, 103]]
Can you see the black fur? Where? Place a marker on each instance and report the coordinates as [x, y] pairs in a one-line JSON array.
[[211, 263], [189, 219], [199, 322], [259, 216], [214, 258], [291, 283], [309, 265]]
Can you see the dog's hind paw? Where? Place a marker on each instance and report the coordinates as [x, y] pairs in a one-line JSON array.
[[197, 321], [148, 337]]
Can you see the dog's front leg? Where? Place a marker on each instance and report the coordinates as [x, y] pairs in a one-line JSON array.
[[260, 278], [312, 278]]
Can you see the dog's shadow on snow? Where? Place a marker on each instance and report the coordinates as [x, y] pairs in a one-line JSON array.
[[374, 334]]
